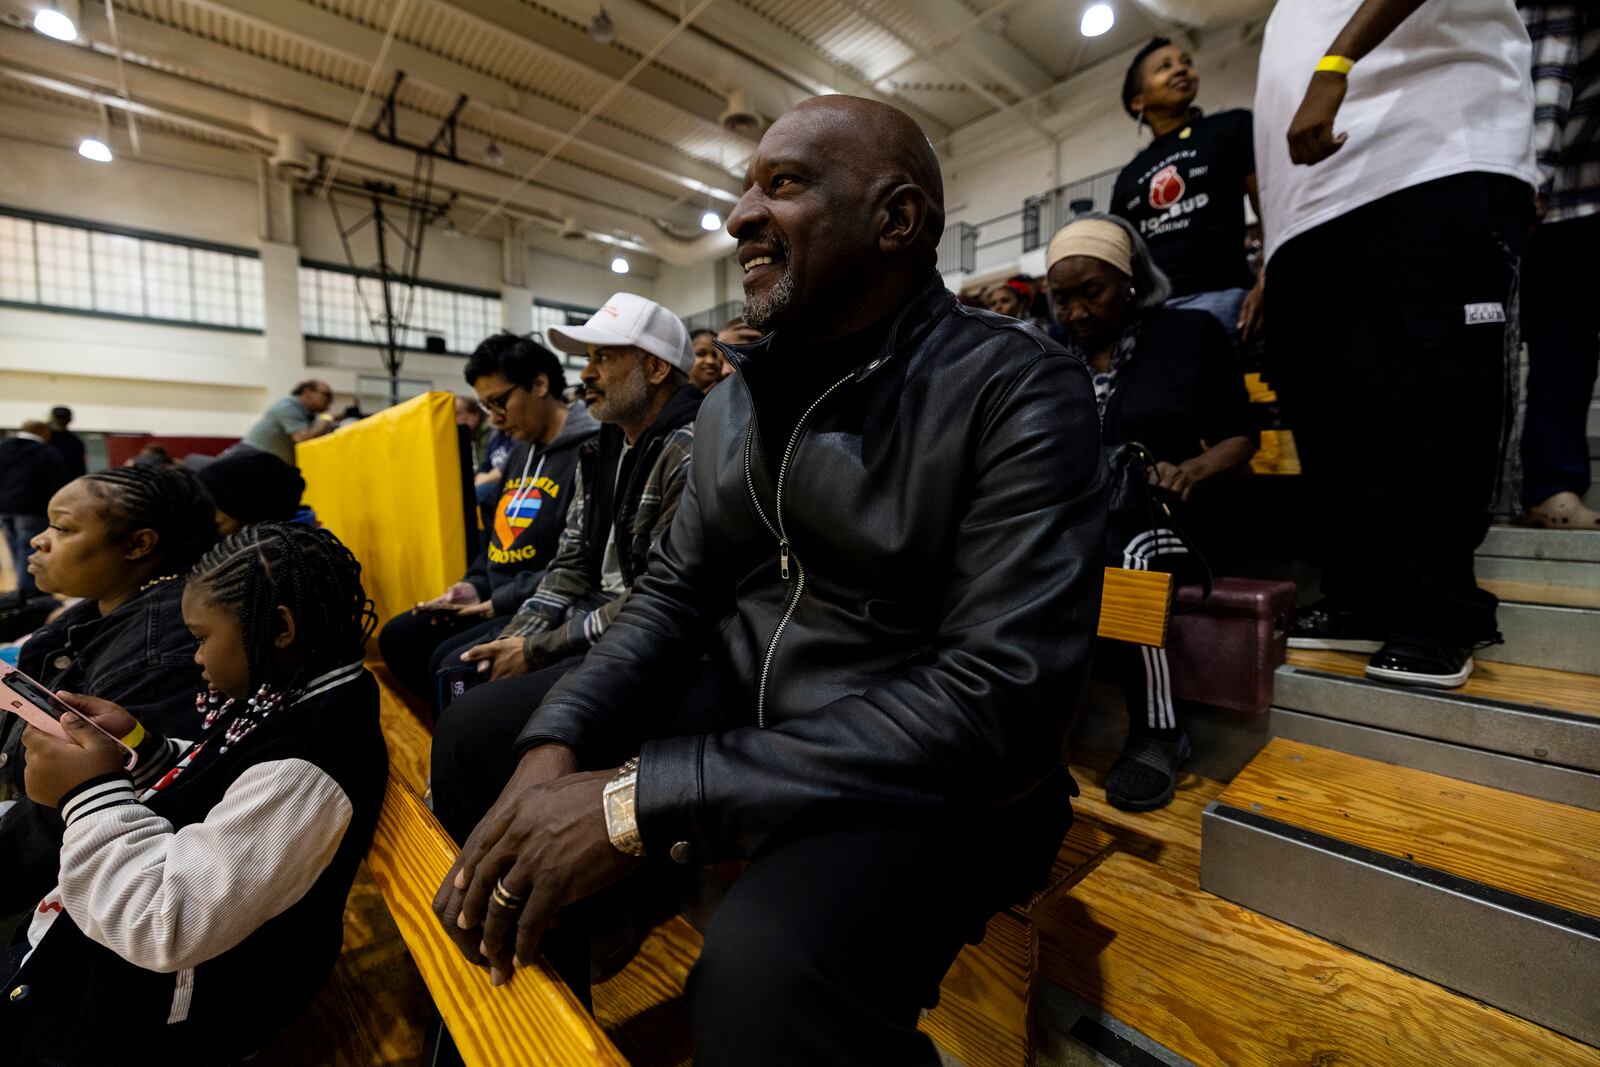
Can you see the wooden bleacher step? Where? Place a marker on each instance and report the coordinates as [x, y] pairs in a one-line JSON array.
[[988, 1012], [1485, 892], [1527, 554], [1219, 985], [1524, 729], [1544, 625]]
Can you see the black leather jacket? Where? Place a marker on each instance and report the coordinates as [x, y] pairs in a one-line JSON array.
[[921, 652]]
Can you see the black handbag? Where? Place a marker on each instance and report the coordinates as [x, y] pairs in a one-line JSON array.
[[1136, 506]]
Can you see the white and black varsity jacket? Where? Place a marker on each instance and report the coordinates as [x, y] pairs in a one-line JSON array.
[[201, 904]]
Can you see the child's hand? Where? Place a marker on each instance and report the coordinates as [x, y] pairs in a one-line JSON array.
[[114, 719], [56, 767]]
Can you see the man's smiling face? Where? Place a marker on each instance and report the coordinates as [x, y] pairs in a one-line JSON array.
[[804, 224]]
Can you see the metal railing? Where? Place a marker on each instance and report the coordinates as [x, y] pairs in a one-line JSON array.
[[1045, 213], [958, 249]]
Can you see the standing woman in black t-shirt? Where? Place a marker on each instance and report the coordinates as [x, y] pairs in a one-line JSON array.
[[1185, 191]]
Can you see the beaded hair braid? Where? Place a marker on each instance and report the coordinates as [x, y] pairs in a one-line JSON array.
[[169, 500], [306, 570]]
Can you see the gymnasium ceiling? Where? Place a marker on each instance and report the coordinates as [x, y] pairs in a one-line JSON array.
[[632, 139]]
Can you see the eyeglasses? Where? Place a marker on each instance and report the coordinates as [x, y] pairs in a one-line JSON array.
[[496, 405]]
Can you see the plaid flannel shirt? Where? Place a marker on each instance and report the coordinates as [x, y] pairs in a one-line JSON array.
[[1566, 114], [569, 612]]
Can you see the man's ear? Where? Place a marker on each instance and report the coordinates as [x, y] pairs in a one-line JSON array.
[[141, 543], [283, 636], [905, 213], [656, 369]]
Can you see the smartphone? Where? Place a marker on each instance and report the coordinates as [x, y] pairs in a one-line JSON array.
[[42, 708], [456, 679], [436, 609]]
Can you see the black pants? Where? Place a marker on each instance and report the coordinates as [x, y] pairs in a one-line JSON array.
[[416, 644], [1561, 323], [1390, 328], [829, 945]]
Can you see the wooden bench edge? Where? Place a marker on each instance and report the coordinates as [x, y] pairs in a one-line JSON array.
[[533, 1019]]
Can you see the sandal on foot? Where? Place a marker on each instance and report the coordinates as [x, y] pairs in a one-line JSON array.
[[1564, 511], [1145, 776]]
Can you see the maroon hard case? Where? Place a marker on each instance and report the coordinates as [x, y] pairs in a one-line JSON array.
[[1224, 652]]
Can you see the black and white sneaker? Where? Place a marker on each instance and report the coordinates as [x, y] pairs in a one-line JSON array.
[[1325, 625], [1422, 661]]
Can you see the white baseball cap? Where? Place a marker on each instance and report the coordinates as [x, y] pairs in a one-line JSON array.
[[630, 319]]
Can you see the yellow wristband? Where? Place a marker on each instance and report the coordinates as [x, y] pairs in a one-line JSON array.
[[1335, 64], [134, 737]]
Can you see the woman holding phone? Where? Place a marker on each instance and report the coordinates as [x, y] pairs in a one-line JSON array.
[[121, 540]]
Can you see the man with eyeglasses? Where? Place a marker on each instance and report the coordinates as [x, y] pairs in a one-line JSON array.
[[519, 384], [293, 419]]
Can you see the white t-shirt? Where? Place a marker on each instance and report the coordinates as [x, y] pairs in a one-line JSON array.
[[611, 563], [1449, 92]]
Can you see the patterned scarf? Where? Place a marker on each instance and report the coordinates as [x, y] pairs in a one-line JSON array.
[[1105, 385]]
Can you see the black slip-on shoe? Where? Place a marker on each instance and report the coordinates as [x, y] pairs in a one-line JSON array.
[[1422, 661], [1145, 776], [1325, 625]]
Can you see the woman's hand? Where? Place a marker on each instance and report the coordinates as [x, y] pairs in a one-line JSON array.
[[1250, 311], [56, 767], [1177, 479], [501, 658], [461, 594]]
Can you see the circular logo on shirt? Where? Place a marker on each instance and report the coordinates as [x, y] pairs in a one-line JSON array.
[[1166, 187]]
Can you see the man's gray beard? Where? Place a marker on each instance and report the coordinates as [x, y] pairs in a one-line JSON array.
[[628, 401], [760, 310]]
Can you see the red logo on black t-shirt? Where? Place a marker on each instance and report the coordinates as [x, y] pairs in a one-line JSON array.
[[1166, 187]]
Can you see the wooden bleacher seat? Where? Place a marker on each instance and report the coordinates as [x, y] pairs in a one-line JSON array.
[[986, 1014]]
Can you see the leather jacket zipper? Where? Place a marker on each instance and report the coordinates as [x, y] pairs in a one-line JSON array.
[[785, 555]]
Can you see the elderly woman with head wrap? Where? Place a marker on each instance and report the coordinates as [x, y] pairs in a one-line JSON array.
[[1169, 379]]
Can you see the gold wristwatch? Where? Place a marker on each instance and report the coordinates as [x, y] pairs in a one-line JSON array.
[[622, 819]]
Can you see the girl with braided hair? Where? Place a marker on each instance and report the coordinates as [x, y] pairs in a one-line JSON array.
[[201, 895], [120, 540]]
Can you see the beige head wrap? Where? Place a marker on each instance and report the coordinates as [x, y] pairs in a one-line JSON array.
[[1096, 238]]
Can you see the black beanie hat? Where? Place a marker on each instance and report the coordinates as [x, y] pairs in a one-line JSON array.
[[254, 486]]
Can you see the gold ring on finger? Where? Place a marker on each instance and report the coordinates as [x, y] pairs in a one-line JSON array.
[[505, 898]]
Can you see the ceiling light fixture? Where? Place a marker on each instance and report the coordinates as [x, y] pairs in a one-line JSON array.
[[710, 222], [1097, 19], [95, 149], [58, 20], [602, 29], [493, 156], [619, 266]]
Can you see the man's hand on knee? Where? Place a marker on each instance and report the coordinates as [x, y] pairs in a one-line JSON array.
[[538, 766], [549, 849], [501, 658]]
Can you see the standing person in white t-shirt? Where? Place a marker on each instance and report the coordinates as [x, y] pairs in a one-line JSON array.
[[1394, 155]]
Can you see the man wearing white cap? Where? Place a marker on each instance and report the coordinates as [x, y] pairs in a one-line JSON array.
[[629, 483], [627, 489]]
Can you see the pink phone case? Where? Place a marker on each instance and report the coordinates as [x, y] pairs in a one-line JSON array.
[[42, 708]]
